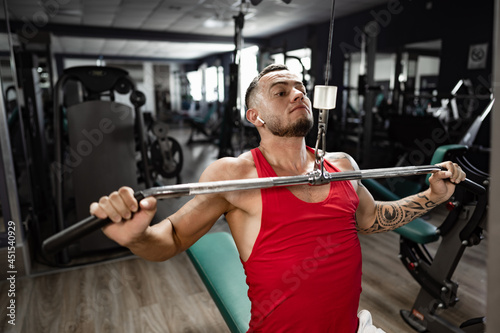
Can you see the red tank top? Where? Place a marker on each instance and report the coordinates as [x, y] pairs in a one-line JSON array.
[[304, 272]]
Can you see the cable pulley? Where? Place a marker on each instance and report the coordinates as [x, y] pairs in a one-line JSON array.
[[324, 99]]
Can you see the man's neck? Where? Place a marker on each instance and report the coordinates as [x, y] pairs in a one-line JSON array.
[[287, 154]]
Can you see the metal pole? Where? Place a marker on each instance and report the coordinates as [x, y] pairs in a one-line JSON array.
[[24, 266], [313, 178], [493, 299], [92, 223], [369, 98]]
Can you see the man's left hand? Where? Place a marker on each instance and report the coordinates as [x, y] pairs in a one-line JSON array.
[[442, 183]]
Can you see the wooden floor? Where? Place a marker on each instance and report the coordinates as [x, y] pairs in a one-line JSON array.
[[132, 295], [388, 287]]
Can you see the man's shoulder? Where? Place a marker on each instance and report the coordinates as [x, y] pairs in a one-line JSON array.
[[342, 160], [228, 168]]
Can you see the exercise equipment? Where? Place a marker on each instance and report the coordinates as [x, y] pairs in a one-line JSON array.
[[92, 223], [205, 125], [92, 129], [218, 263], [231, 117], [434, 273], [165, 152]]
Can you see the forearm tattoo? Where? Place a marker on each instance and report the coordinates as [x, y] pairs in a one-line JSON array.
[[394, 214]]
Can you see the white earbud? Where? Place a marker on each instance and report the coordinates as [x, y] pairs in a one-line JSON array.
[[259, 119]]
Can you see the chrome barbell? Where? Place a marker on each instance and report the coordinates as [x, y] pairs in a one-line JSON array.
[[80, 229]]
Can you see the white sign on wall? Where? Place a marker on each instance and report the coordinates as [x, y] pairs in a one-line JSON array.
[[477, 56]]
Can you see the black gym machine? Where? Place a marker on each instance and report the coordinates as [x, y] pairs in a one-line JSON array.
[[462, 228], [92, 130]]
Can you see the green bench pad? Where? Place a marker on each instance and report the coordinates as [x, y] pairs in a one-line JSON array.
[[418, 230], [217, 261]]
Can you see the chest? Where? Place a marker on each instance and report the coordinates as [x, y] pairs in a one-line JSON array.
[[309, 193], [250, 201]]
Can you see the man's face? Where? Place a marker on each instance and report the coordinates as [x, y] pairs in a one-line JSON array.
[[284, 105]]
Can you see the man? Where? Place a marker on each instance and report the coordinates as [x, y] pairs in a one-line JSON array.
[[298, 244]]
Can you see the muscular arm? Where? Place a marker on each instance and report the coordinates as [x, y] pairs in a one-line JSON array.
[[174, 234], [159, 242], [180, 230], [390, 215], [378, 216]]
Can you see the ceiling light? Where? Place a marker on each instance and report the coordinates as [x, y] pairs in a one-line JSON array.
[[256, 2], [214, 23]]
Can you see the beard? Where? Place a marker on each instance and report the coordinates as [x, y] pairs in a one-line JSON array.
[[298, 129]]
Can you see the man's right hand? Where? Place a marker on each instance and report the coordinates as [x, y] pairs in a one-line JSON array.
[[129, 223]]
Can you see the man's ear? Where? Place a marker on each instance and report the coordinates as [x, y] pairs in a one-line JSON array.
[[252, 115]]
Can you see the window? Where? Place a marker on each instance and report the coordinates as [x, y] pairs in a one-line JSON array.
[[297, 61], [214, 83], [208, 81], [195, 79], [248, 70]]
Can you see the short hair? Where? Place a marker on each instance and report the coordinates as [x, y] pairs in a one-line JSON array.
[[250, 90]]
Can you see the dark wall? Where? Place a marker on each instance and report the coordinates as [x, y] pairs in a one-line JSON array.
[[472, 24]]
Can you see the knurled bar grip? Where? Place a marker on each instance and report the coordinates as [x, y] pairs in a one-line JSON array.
[[80, 229]]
